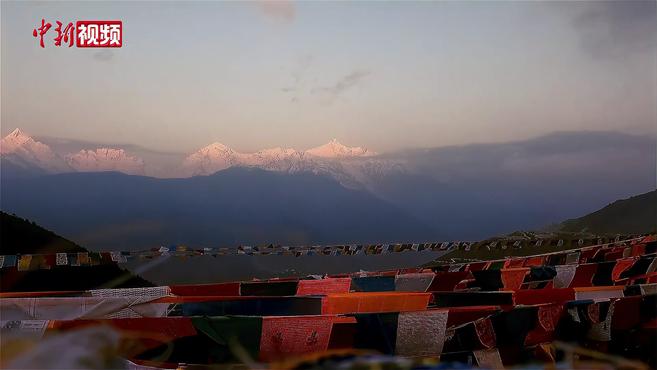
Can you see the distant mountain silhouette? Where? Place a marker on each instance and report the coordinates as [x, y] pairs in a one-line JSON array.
[[19, 236], [481, 190], [13, 166], [626, 217], [635, 215], [232, 207], [469, 192]]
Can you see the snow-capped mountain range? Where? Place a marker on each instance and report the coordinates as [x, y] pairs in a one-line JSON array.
[[471, 191], [328, 158], [24, 151], [333, 149], [349, 165], [105, 159]]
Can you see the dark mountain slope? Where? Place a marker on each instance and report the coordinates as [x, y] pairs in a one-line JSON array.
[[635, 215], [12, 166], [480, 190], [19, 236], [232, 207], [464, 192]]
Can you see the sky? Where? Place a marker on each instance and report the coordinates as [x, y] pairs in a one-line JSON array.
[[384, 75]]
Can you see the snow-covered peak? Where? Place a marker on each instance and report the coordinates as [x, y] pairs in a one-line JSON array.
[[215, 149], [105, 159], [30, 152], [15, 140], [334, 149], [351, 166], [216, 157], [217, 146], [210, 159], [18, 133]]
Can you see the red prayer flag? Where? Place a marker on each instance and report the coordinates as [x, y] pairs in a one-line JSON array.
[[620, 266], [512, 278], [584, 275], [324, 286], [222, 289], [294, 335]]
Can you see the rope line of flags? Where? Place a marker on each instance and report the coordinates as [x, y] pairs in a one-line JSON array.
[[26, 262]]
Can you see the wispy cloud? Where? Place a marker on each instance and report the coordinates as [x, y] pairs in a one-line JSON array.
[[343, 84], [280, 10], [300, 70], [328, 93], [298, 77], [617, 28], [103, 55]]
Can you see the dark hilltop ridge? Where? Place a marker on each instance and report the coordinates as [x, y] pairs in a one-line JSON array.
[[636, 215], [239, 205], [19, 236]]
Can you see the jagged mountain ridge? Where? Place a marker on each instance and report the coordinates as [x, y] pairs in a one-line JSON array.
[[472, 191], [231, 207], [20, 149], [348, 165], [105, 159], [23, 151], [334, 149]]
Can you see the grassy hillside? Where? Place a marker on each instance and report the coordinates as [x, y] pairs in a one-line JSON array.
[[19, 236], [481, 251], [632, 216], [635, 215]]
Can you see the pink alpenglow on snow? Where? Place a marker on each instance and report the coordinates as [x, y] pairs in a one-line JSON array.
[[105, 159], [21, 146], [334, 149]]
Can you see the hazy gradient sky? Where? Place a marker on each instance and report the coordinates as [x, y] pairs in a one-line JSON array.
[[385, 75]]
